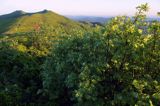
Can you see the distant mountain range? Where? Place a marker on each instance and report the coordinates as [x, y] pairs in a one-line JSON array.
[[91, 19], [101, 20]]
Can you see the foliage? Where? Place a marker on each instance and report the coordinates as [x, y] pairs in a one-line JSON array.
[[20, 75], [61, 62], [22, 55], [115, 65]]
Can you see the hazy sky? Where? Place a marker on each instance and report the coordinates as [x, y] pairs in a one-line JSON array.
[[80, 7]]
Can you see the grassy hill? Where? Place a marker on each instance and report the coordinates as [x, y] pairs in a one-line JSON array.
[[19, 21]]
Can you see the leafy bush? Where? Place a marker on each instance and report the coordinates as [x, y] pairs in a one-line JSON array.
[[115, 65]]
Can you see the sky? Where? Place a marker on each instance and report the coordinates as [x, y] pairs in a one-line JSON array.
[[80, 7]]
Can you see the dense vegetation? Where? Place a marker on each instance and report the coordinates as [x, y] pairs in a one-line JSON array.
[[113, 65]]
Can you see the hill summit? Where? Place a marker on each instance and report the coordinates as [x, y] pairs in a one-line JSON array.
[[20, 21], [14, 14]]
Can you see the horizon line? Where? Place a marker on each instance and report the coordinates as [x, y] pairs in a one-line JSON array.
[[80, 15]]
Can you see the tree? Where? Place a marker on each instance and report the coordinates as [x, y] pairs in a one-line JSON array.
[[114, 65]]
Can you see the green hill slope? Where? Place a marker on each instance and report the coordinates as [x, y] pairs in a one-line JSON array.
[[19, 21]]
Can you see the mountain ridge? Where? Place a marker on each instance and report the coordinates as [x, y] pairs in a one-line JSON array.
[[18, 13], [20, 21]]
